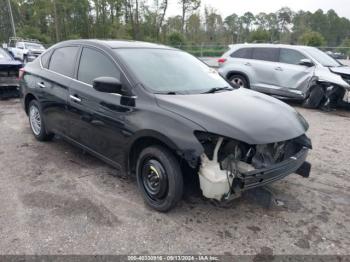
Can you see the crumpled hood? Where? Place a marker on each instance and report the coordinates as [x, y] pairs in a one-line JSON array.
[[241, 114], [345, 70], [9, 62]]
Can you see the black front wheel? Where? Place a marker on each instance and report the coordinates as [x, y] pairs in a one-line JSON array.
[[159, 178]]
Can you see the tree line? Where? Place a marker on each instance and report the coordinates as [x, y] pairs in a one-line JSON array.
[[51, 21]]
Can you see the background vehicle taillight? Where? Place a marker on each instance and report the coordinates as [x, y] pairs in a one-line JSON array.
[[222, 60], [20, 73]]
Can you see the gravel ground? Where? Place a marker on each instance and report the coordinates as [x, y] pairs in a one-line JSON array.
[[56, 200]]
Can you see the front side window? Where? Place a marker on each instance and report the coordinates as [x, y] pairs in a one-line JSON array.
[[242, 53], [165, 71], [63, 60], [95, 64], [265, 54], [290, 56]]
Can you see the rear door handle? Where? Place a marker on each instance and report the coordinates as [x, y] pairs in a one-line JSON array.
[[41, 84], [279, 68], [75, 98]]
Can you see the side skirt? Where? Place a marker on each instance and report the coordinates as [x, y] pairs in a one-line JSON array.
[[90, 151]]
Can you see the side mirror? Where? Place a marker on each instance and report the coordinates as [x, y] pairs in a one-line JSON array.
[[110, 85], [306, 62]]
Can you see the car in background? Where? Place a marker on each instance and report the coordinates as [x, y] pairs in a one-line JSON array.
[[336, 55], [25, 50], [286, 71], [9, 72]]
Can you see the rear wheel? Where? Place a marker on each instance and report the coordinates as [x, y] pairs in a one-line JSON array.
[[159, 178], [37, 123], [239, 80]]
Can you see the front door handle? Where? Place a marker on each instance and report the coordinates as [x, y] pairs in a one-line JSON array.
[[41, 84], [279, 68], [248, 64], [75, 98]]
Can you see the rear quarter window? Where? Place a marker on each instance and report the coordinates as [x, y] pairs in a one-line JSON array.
[[63, 60], [266, 54], [45, 59], [242, 53]]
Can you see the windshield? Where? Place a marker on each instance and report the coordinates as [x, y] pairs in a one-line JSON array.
[[171, 71], [4, 55], [322, 57], [34, 46]]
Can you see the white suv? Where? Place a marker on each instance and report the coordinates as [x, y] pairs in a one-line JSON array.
[[25, 51], [297, 72]]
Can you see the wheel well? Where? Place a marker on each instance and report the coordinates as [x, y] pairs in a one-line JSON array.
[[230, 74], [27, 100], [138, 146], [189, 173]]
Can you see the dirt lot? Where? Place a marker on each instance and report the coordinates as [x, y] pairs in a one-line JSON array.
[[56, 200]]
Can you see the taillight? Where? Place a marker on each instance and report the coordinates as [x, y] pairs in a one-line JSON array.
[[222, 60], [21, 73]]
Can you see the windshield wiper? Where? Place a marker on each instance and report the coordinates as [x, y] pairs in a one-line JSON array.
[[217, 89]]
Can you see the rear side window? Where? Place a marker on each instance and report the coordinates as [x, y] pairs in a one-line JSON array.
[[242, 53], [63, 60], [95, 64], [266, 54], [290, 56]]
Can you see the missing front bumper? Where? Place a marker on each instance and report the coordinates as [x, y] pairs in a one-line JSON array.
[[276, 172]]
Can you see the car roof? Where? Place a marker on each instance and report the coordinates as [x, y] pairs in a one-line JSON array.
[[296, 47], [118, 43]]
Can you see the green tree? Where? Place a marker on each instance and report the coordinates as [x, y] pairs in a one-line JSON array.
[[260, 36], [176, 39], [312, 38]]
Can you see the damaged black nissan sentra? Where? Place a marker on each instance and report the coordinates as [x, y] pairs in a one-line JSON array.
[[162, 114]]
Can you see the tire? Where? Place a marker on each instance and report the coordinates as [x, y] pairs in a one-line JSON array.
[[315, 97], [239, 80], [37, 123], [159, 178]]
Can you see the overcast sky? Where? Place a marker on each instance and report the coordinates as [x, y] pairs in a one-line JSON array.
[[227, 7]]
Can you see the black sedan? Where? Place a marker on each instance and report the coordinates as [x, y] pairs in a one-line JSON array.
[[9, 72], [163, 115]]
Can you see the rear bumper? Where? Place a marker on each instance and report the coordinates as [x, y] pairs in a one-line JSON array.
[[9, 92], [9, 87], [278, 171]]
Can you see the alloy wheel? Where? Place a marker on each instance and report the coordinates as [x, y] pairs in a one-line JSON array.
[[35, 120], [238, 81]]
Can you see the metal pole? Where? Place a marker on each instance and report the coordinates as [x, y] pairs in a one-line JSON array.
[[11, 16]]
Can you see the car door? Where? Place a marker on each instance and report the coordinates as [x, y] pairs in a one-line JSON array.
[[98, 119], [52, 86], [263, 64], [292, 77]]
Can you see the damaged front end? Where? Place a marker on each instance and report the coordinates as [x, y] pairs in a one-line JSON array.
[[229, 167]]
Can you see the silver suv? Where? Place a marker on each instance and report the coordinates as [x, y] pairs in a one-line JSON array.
[[297, 72]]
